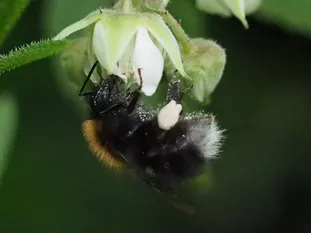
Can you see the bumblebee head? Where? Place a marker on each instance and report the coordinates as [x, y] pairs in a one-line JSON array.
[[108, 98]]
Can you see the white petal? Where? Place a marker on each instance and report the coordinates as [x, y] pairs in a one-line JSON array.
[[148, 58], [161, 32], [111, 37], [91, 59], [125, 63], [100, 45]]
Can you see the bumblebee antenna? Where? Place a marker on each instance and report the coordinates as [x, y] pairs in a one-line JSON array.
[[87, 79]]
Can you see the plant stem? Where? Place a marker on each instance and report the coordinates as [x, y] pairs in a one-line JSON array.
[[178, 31], [126, 6]]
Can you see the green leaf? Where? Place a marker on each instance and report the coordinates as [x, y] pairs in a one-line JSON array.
[[294, 15], [8, 120], [10, 11], [30, 53]]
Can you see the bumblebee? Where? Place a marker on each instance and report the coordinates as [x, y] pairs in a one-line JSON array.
[[122, 131]]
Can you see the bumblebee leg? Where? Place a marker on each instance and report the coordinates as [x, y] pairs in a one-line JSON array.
[[134, 98], [112, 83], [87, 79], [174, 90]]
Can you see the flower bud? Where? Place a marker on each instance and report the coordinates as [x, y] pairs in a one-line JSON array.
[[238, 8], [204, 65], [75, 61]]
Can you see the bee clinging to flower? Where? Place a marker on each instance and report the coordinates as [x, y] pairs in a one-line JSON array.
[[164, 147]]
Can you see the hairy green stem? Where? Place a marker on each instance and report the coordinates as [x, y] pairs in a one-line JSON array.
[[126, 6], [178, 31]]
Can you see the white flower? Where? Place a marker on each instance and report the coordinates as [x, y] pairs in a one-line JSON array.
[[238, 8], [140, 53], [131, 45]]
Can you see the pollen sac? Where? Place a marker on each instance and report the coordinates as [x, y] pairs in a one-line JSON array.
[[205, 65], [168, 116]]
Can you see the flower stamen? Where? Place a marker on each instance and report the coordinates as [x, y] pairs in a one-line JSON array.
[[140, 78]]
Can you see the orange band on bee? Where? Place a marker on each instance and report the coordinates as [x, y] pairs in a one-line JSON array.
[[91, 130]]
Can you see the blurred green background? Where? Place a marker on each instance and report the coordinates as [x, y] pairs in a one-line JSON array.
[[261, 182]]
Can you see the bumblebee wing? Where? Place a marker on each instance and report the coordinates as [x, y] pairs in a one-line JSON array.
[[168, 193], [179, 202], [183, 204], [176, 200]]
